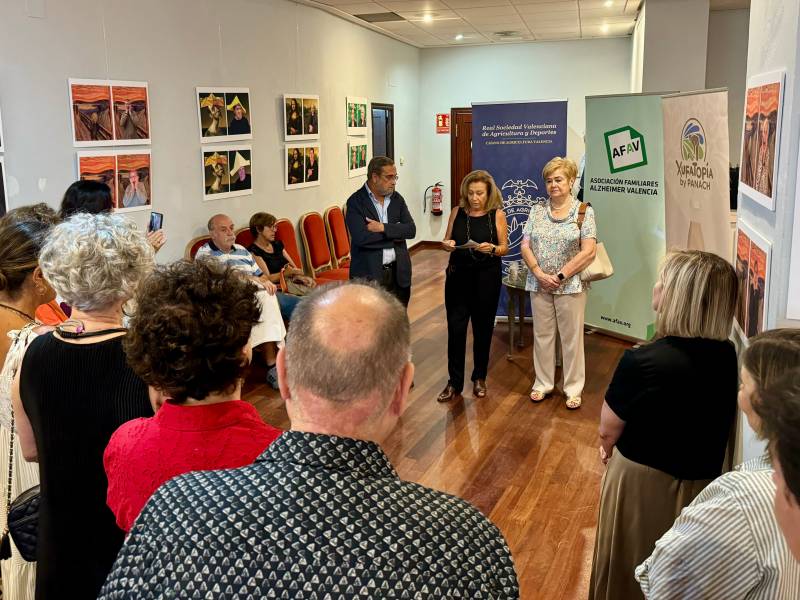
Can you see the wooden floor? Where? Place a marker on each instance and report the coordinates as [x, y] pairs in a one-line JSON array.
[[533, 469]]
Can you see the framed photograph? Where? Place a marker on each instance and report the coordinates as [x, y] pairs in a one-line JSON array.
[[761, 134], [90, 106], [227, 172], [357, 157], [301, 165], [357, 117], [224, 114], [134, 181], [300, 117], [97, 165], [3, 196], [753, 255], [131, 110]]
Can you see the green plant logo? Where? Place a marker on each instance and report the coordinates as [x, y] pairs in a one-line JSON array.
[[625, 148], [693, 141]]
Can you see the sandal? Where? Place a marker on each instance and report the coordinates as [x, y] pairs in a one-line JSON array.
[[574, 402], [537, 396]]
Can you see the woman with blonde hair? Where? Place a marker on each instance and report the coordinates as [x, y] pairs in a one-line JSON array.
[[667, 417], [558, 242], [472, 287]]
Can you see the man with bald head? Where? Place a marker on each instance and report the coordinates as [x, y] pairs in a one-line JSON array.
[[321, 513]]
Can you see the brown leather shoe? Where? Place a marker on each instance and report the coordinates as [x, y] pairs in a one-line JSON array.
[[449, 393], [479, 388]]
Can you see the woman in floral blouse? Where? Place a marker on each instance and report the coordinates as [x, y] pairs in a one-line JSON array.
[[556, 249]]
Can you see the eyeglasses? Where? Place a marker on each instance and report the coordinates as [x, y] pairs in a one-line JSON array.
[[391, 177]]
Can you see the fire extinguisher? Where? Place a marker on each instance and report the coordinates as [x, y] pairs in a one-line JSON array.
[[436, 198]]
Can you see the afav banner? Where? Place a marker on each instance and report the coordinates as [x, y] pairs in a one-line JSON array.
[[696, 159]]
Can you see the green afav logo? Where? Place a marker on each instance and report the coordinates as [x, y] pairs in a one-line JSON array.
[[625, 149]]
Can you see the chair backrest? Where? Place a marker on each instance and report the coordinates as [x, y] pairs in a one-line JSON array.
[[337, 236], [193, 246], [244, 237], [284, 233], [315, 243]]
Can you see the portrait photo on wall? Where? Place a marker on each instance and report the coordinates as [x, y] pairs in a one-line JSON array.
[[90, 107], [301, 165], [3, 201], [357, 116], [357, 157], [227, 172], [99, 166], [131, 108], [300, 117], [761, 133], [753, 254], [225, 114], [134, 181]]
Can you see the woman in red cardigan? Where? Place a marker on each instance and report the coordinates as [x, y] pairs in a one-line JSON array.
[[189, 342]]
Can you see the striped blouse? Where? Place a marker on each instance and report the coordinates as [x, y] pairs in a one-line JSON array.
[[725, 545]]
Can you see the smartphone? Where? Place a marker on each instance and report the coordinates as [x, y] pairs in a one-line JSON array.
[[156, 221]]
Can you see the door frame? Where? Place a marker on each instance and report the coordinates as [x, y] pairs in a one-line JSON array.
[[455, 185], [389, 138]]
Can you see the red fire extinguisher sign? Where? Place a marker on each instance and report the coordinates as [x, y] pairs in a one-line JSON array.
[[443, 123]]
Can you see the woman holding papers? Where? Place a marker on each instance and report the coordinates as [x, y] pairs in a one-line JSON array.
[[477, 236]]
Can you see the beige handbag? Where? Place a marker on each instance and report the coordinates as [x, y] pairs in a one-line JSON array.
[[601, 267]]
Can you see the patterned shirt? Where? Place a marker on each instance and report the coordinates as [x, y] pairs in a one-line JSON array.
[[315, 516], [555, 242], [725, 545], [239, 258], [389, 255]]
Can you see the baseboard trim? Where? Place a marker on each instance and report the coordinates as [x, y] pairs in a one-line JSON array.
[[424, 245]]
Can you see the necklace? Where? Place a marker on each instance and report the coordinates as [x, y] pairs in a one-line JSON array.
[[19, 312]]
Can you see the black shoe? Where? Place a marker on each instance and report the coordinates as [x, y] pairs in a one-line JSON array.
[[479, 388], [449, 393]]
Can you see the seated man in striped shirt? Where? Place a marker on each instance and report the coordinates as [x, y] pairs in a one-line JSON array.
[[270, 331], [727, 543]]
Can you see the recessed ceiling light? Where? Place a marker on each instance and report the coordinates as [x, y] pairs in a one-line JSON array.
[[604, 28], [459, 37], [608, 3], [427, 18]]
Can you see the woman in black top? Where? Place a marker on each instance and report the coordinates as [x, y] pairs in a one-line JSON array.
[[73, 390], [472, 287], [667, 417]]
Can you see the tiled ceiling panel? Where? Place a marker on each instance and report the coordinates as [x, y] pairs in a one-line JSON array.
[[436, 23]]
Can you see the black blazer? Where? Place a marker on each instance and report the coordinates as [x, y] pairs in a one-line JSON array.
[[366, 247]]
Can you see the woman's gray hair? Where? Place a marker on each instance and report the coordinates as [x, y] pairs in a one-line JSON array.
[[94, 261]]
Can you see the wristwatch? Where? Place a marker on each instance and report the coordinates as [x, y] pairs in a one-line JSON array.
[[493, 249], [560, 276]]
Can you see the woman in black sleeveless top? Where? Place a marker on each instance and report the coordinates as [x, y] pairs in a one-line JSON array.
[[472, 287], [75, 389]]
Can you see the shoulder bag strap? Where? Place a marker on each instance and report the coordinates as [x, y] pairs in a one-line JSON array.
[[582, 213]]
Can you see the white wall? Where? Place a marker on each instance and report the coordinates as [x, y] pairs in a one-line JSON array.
[[726, 66], [774, 43], [271, 46], [454, 77], [637, 52]]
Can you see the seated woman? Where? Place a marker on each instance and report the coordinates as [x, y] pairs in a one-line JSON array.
[[667, 417], [189, 342], [727, 543], [22, 289], [73, 390], [273, 258]]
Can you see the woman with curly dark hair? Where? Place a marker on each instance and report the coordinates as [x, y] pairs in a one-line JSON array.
[[189, 342]]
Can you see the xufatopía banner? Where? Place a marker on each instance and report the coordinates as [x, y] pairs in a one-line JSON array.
[[696, 181], [513, 141], [624, 181]]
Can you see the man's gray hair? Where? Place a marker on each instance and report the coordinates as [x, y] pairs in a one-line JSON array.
[[332, 368], [376, 165], [93, 261]]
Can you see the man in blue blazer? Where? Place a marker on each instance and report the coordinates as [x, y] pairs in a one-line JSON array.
[[379, 225]]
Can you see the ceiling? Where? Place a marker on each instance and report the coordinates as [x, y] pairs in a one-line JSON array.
[[436, 23]]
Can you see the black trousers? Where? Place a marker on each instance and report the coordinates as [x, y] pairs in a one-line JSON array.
[[389, 283], [470, 294]]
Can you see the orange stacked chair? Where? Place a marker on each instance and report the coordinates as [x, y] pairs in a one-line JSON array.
[[338, 237], [315, 243], [284, 233], [193, 246], [244, 237]]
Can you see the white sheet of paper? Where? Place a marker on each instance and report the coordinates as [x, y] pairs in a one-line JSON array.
[[468, 245]]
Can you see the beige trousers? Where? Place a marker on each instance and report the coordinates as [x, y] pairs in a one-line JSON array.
[[558, 315]]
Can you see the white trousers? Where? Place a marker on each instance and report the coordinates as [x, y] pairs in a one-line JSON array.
[[557, 315], [270, 327]]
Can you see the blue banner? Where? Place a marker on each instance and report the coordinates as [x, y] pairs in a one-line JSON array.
[[514, 141]]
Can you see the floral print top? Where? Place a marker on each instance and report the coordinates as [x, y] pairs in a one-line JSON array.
[[555, 242]]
